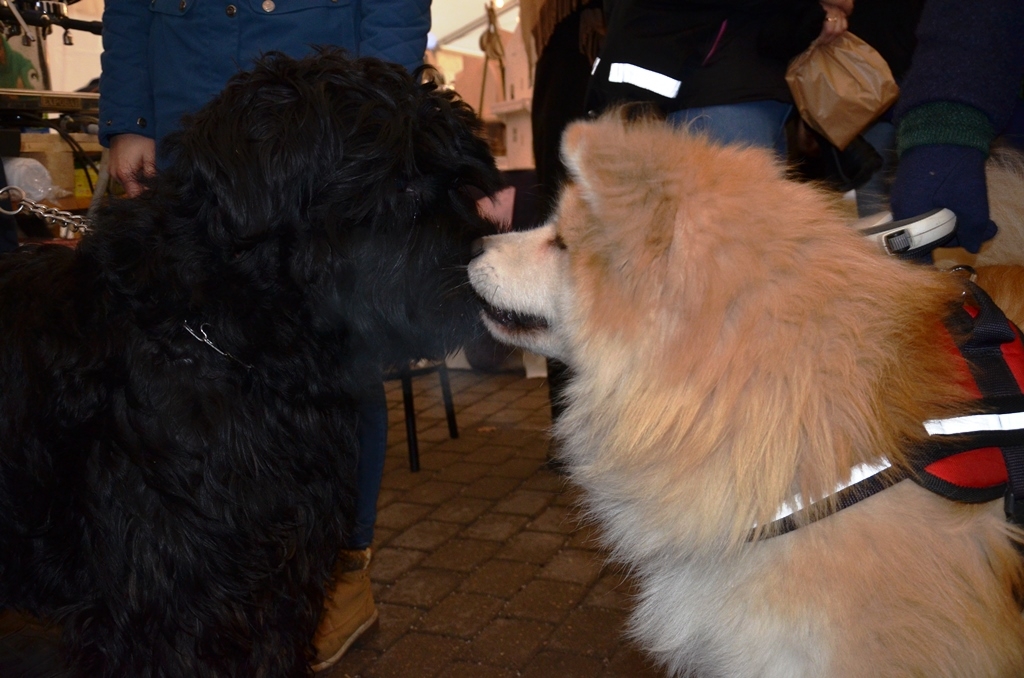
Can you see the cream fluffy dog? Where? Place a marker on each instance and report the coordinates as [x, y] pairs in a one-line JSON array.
[[734, 342]]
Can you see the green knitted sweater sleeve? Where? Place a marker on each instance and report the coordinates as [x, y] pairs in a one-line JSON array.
[[944, 122]]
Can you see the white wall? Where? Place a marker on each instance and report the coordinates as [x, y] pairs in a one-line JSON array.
[[72, 67]]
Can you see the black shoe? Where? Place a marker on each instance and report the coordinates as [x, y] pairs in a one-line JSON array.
[[852, 167]]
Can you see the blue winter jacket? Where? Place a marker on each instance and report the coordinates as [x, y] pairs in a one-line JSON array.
[[163, 58]]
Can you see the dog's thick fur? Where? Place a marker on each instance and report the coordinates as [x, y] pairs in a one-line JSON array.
[[733, 342], [178, 506]]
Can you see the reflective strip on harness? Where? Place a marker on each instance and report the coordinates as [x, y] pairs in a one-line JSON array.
[[980, 457], [975, 423], [971, 458], [857, 474]]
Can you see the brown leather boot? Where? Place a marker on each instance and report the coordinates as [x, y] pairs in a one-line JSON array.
[[349, 611]]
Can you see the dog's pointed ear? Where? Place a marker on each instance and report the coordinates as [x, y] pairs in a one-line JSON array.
[[582, 155], [600, 154], [622, 177]]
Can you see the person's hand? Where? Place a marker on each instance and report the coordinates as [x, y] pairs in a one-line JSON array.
[[132, 156], [844, 6], [835, 24], [944, 175]]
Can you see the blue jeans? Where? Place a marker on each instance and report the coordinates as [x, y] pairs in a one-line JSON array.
[[752, 123], [873, 196], [372, 432]]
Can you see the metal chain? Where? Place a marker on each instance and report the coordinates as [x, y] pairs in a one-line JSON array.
[[51, 215]]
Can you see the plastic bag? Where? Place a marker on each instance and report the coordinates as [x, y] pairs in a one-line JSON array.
[[33, 178], [841, 87]]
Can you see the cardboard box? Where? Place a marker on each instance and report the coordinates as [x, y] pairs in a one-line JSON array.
[[56, 154]]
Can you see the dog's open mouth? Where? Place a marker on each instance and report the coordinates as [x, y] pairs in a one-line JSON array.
[[513, 321]]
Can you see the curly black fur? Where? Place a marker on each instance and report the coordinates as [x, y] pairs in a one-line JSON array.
[[177, 510]]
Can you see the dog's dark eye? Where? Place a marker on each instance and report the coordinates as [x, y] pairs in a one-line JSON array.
[[559, 243]]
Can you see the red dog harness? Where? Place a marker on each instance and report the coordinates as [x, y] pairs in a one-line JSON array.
[[978, 458], [973, 458]]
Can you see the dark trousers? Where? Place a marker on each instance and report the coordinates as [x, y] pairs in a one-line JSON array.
[[559, 91], [8, 226]]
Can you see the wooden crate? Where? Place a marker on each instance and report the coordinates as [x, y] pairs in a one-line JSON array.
[[56, 155]]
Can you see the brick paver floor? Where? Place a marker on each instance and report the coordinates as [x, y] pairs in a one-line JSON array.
[[483, 567]]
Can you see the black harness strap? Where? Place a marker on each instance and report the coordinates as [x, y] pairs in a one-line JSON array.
[[982, 346], [1013, 501], [982, 339], [845, 498]]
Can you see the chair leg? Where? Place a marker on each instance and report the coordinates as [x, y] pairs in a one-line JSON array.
[[446, 395], [410, 422]]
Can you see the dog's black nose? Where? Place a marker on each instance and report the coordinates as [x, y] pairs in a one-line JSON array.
[[476, 248]]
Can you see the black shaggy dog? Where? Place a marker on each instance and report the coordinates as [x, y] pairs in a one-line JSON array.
[[176, 438]]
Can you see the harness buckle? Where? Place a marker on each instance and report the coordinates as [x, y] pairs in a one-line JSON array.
[[1013, 508]]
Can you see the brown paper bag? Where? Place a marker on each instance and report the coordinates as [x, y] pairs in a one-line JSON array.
[[841, 87]]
